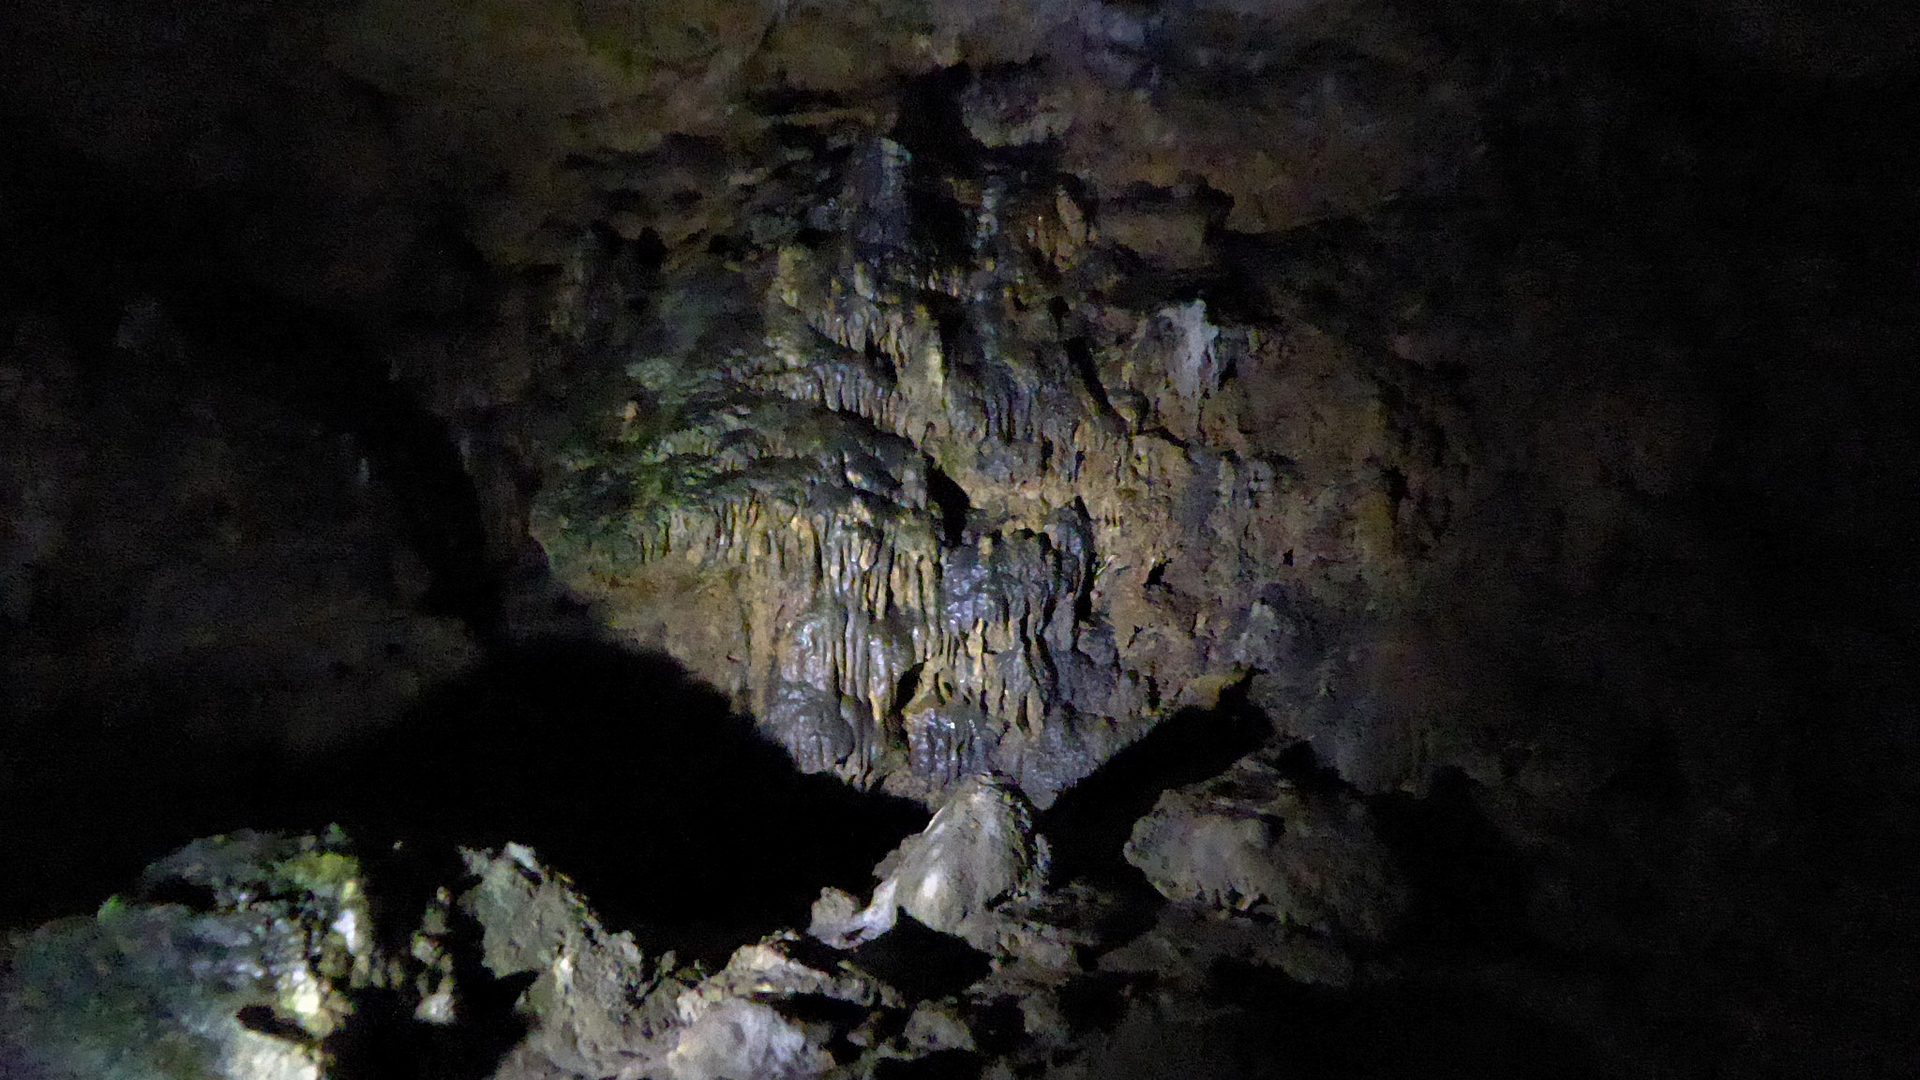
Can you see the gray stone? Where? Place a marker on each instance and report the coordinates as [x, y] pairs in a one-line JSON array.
[[733, 1025], [1252, 839], [595, 1004], [979, 851]]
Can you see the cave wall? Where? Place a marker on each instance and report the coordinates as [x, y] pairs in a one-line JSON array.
[[1478, 391]]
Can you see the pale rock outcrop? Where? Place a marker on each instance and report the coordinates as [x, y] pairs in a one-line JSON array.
[[736, 1039], [241, 987], [731, 1025], [979, 852], [595, 1005]]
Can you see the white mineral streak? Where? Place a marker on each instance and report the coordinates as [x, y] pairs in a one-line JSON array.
[[1191, 367]]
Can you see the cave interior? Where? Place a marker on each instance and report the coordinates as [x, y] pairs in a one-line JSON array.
[[573, 539]]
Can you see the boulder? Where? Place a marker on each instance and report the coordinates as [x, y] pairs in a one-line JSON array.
[[1254, 840], [746, 1019], [979, 852], [737, 1039], [591, 1007], [232, 963]]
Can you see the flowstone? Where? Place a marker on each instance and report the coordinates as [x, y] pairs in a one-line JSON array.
[[979, 852]]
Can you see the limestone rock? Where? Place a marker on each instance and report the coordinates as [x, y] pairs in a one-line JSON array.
[[1189, 941], [739, 1022], [258, 956], [937, 1026], [912, 470], [777, 966], [979, 852], [738, 1039], [1252, 838], [922, 530], [591, 1008], [242, 986]]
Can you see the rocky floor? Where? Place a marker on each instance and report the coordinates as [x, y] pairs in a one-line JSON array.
[[1278, 935]]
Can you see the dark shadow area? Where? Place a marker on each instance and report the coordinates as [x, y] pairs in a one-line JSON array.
[[386, 1043], [1091, 821], [84, 243], [944, 1065], [950, 500], [616, 768], [920, 962], [1278, 1027], [1470, 886], [622, 772], [264, 1021], [85, 811], [935, 135], [1094, 1003]]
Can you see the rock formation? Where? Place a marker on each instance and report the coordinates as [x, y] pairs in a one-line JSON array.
[[939, 473], [979, 852], [1251, 839], [248, 986]]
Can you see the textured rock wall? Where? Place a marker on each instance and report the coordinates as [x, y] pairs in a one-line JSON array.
[[947, 548], [968, 386], [947, 463], [1078, 359]]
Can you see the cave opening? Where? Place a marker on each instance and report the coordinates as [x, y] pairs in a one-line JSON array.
[[950, 503]]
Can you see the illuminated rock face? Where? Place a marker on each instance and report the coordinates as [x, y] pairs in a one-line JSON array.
[[245, 987], [980, 851], [962, 437], [938, 509], [993, 422]]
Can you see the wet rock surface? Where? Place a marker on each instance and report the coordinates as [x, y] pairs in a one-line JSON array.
[[248, 982], [978, 853]]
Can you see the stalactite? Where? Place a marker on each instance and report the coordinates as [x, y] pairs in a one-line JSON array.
[[827, 511]]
